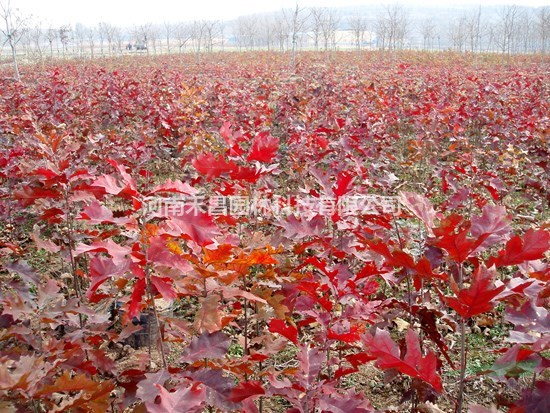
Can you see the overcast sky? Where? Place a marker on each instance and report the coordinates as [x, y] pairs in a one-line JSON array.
[[130, 12]]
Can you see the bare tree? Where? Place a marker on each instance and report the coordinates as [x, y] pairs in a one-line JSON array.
[[152, 38], [317, 16], [392, 27], [358, 26], [13, 27], [26, 42], [267, 34], [296, 21], [90, 35], [210, 31], [473, 30], [221, 32], [64, 33], [247, 31], [526, 34], [281, 31], [36, 35], [51, 37], [169, 30], [381, 30], [118, 39], [457, 33], [428, 34], [79, 36], [184, 33], [329, 27], [507, 26], [108, 32], [197, 38], [143, 35], [101, 38], [543, 28]]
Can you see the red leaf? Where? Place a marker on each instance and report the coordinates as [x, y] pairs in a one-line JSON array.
[[423, 270], [243, 173], [226, 132], [101, 269], [492, 190], [147, 389], [176, 186], [197, 226], [529, 318], [46, 173], [264, 148], [460, 246], [218, 388], [44, 244], [164, 287], [23, 269], [342, 183], [191, 399], [359, 359], [207, 164], [111, 185], [279, 326], [118, 252], [298, 229], [245, 390], [413, 364], [350, 336], [135, 300], [535, 401], [207, 345], [95, 213], [419, 206], [159, 254], [515, 362], [101, 360], [29, 195], [310, 361], [493, 221], [476, 299], [532, 247]]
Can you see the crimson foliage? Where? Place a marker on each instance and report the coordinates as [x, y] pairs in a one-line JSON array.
[[268, 305]]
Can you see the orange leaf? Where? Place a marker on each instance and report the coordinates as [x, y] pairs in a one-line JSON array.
[[219, 255]]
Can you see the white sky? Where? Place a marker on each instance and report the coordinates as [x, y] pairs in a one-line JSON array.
[[130, 12]]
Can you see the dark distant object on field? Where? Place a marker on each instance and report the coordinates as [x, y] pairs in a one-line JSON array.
[[141, 47], [146, 336]]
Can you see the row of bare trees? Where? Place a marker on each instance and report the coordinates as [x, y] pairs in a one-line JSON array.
[[514, 30], [105, 39]]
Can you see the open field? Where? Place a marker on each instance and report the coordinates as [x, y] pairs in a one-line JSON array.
[[363, 232]]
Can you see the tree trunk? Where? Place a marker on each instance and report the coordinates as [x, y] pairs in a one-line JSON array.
[[15, 65]]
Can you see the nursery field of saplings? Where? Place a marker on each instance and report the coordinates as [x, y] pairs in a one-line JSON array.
[[363, 232]]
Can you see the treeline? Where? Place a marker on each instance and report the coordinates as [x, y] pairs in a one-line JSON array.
[[509, 30]]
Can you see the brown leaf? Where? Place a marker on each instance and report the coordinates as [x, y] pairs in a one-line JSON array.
[[66, 383], [209, 318]]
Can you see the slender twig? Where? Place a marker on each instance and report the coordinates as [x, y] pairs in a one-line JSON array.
[[460, 398], [407, 273], [151, 298]]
